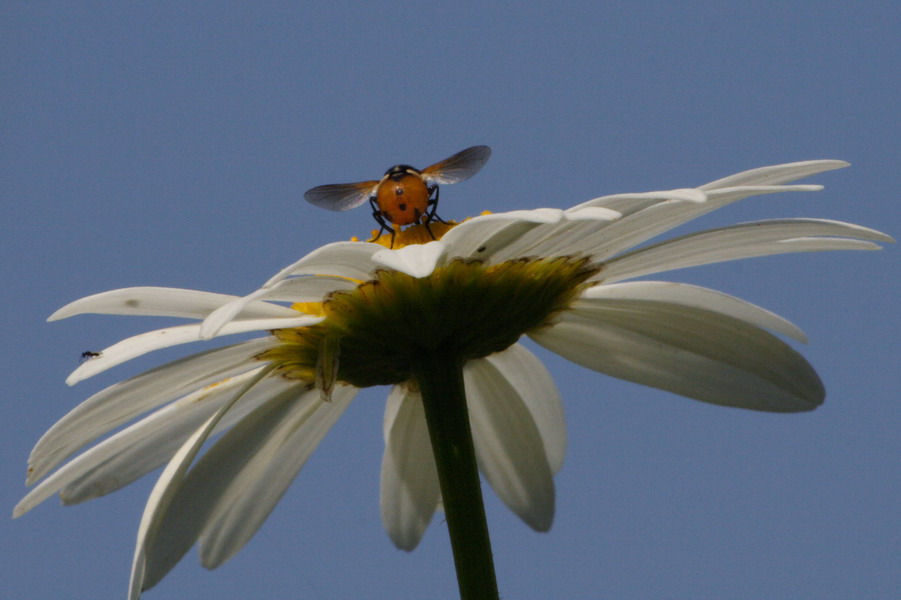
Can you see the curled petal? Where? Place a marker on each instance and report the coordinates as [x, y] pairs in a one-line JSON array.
[[343, 259], [416, 260]]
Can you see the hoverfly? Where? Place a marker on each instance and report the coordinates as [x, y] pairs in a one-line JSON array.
[[404, 195]]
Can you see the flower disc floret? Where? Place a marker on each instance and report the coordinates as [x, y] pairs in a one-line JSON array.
[[465, 309]]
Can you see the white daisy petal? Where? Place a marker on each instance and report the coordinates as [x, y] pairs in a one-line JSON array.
[[776, 174], [225, 314], [164, 491], [482, 236], [720, 198], [626, 204], [143, 446], [257, 439], [565, 237], [410, 491], [342, 259], [508, 445], [643, 225], [693, 352], [299, 289], [535, 386], [688, 295], [307, 288], [190, 506], [258, 487], [153, 440], [417, 260], [118, 404], [158, 302], [139, 345], [592, 213], [745, 240]]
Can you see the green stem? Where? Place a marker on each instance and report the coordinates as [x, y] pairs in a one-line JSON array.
[[440, 380]]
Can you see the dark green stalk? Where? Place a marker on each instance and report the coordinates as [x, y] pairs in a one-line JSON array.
[[440, 379]]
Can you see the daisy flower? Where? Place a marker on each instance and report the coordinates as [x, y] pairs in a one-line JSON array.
[[439, 321]]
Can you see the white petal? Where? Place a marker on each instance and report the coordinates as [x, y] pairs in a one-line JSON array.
[[416, 260], [258, 487], [190, 506], [605, 296], [145, 445], [508, 445], [410, 491], [164, 491], [152, 441], [592, 213], [626, 204], [565, 237], [119, 403], [482, 236], [537, 215], [776, 174], [693, 352], [307, 288], [343, 259], [300, 289], [535, 386], [642, 225], [259, 438], [745, 240], [158, 301], [139, 345]]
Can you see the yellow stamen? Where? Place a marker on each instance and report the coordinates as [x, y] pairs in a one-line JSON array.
[[414, 234]]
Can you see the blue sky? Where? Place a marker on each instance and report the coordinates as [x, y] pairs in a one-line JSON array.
[[170, 144]]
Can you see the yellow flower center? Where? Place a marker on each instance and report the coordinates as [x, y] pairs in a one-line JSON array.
[[376, 333]]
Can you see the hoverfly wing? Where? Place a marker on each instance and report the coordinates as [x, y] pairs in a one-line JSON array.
[[459, 167], [340, 196]]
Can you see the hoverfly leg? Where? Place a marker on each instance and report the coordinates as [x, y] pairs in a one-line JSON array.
[[380, 219], [431, 215]]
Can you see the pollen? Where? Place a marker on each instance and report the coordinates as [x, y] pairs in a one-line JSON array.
[[413, 234], [375, 333]]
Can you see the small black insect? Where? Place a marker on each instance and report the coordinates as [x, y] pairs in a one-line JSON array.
[[88, 355]]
